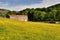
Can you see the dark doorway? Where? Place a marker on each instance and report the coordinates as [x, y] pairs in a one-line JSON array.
[[7, 16]]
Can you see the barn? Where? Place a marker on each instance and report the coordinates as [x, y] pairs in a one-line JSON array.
[[18, 17]]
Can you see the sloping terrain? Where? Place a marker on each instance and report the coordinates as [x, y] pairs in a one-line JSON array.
[[56, 6], [18, 30]]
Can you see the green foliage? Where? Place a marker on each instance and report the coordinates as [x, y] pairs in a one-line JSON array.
[[12, 13], [51, 13]]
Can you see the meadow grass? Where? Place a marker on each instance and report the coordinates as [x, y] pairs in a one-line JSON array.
[[19, 30]]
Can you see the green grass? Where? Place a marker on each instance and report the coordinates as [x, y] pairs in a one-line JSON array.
[[19, 30]]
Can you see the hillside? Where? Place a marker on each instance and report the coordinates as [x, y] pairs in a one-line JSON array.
[[4, 10], [56, 6], [51, 13], [19, 30]]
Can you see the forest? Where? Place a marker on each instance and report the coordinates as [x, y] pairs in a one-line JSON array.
[[51, 13]]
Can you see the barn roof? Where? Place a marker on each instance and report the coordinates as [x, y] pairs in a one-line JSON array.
[[18, 15]]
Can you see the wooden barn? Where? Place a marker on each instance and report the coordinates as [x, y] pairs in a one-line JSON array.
[[18, 17]]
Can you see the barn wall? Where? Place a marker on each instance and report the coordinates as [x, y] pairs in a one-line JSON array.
[[22, 18]]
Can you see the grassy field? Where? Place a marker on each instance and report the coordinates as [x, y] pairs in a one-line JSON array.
[[18, 30]]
